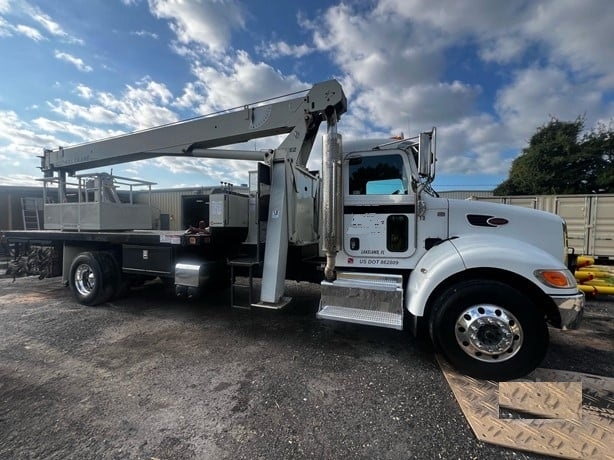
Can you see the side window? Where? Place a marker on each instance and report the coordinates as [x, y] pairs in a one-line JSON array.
[[377, 175], [397, 234]]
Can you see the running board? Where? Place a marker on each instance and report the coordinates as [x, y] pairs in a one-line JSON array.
[[359, 316], [363, 298]]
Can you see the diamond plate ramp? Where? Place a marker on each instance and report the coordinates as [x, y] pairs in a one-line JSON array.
[[557, 413], [531, 400]]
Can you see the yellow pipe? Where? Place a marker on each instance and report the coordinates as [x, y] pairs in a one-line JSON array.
[[583, 261], [597, 283], [583, 276], [596, 273], [606, 290]]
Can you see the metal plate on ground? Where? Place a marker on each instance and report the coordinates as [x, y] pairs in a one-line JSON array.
[[557, 413]]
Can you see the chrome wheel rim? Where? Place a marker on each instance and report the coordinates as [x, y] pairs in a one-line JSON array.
[[85, 280], [488, 333]]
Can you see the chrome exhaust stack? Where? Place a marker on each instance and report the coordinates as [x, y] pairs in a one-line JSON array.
[[332, 190]]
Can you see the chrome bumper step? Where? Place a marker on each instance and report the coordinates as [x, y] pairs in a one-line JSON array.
[[363, 298]]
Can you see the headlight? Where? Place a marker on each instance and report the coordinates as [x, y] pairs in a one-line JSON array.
[[561, 279]]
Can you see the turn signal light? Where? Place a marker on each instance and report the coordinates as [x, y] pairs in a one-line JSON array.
[[556, 278]]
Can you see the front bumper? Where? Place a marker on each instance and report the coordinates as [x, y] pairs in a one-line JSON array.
[[571, 309]]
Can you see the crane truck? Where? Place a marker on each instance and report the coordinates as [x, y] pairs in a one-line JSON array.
[[483, 279]]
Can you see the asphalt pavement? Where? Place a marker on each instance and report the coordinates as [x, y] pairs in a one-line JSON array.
[[151, 377]]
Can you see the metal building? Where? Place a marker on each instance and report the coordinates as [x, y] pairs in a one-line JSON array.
[[20, 207], [176, 209]]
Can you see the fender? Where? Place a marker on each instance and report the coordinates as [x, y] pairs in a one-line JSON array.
[[478, 251], [438, 264]]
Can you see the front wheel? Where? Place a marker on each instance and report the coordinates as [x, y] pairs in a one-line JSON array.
[[489, 330]]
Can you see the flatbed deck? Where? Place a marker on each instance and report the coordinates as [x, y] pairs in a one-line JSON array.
[[113, 237]]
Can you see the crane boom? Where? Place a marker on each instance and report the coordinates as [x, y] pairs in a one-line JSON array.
[[195, 137], [299, 118]]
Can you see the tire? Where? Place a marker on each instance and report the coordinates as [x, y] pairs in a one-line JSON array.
[[489, 330], [92, 278], [117, 281]]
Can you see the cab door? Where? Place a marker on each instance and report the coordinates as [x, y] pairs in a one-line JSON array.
[[379, 212]]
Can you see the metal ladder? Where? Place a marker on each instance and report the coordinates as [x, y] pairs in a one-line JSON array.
[[29, 213]]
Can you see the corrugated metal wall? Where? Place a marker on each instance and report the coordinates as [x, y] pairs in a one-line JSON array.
[[169, 201], [464, 194]]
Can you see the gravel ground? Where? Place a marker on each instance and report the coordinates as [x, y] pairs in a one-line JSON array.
[[150, 377]]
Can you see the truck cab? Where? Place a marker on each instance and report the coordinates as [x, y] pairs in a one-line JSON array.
[[482, 278]]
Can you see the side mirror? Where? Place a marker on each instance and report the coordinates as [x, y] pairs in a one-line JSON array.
[[426, 155]]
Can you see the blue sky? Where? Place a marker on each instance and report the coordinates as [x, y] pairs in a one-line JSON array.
[[485, 72]]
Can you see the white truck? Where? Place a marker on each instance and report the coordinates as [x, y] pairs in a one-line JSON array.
[[483, 279]]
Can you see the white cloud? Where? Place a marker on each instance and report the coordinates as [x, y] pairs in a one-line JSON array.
[[474, 145], [20, 136], [462, 17], [416, 107], [145, 34], [377, 50], [193, 95], [574, 33], [578, 34], [92, 113], [392, 68], [536, 94], [138, 107], [77, 132], [77, 62], [84, 91], [394, 59], [29, 32], [275, 50], [6, 30], [503, 50], [243, 82], [20, 180], [234, 171], [208, 23], [5, 6], [21, 143], [50, 25]]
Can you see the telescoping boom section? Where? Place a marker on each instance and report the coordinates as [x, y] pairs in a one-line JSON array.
[[198, 137]]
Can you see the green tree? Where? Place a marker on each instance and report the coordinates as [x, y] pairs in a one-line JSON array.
[[559, 161]]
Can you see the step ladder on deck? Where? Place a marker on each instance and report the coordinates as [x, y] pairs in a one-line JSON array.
[[251, 260], [364, 298], [30, 208], [242, 291]]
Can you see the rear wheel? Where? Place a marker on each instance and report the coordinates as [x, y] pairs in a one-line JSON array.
[[490, 330], [92, 278]]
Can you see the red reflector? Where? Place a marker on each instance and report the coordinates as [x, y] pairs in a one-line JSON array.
[[497, 221]]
